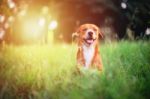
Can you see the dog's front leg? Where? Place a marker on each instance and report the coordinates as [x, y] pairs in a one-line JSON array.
[[98, 63]]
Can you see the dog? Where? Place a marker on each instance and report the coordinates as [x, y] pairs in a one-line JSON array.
[[88, 48]]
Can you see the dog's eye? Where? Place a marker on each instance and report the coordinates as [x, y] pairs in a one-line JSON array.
[[85, 29], [95, 29]]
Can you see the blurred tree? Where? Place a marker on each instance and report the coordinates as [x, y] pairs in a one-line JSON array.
[[117, 14], [134, 14], [5, 12], [89, 11], [138, 14], [4, 9]]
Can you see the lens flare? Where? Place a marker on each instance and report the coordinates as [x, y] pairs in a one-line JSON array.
[[2, 18], [11, 4], [123, 5], [31, 28], [41, 22], [53, 25]]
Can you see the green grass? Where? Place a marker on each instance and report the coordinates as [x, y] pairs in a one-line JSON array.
[[48, 72]]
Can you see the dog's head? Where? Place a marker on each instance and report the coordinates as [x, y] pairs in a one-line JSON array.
[[88, 34]]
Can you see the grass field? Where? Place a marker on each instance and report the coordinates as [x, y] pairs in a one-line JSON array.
[[48, 72]]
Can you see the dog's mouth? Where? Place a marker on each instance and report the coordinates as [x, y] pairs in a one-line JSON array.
[[89, 40]]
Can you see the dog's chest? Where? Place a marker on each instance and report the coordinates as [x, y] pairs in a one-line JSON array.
[[88, 53]]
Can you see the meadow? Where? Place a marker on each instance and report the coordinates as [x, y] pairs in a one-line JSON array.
[[48, 72]]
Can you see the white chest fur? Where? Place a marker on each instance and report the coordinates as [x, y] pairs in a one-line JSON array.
[[88, 53]]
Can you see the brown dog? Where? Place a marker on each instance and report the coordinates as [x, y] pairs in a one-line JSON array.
[[88, 53]]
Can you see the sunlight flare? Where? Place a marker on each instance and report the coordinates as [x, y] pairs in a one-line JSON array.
[[53, 25]]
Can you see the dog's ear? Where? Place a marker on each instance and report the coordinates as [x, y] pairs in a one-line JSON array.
[[75, 35], [100, 34]]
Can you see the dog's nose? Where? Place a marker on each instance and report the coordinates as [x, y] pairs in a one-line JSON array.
[[90, 33]]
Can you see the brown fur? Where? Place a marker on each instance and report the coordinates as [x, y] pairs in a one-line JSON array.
[[96, 61]]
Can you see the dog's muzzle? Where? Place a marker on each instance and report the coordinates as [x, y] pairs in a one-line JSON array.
[[90, 37]]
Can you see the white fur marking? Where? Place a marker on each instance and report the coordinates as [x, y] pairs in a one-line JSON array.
[[88, 53]]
